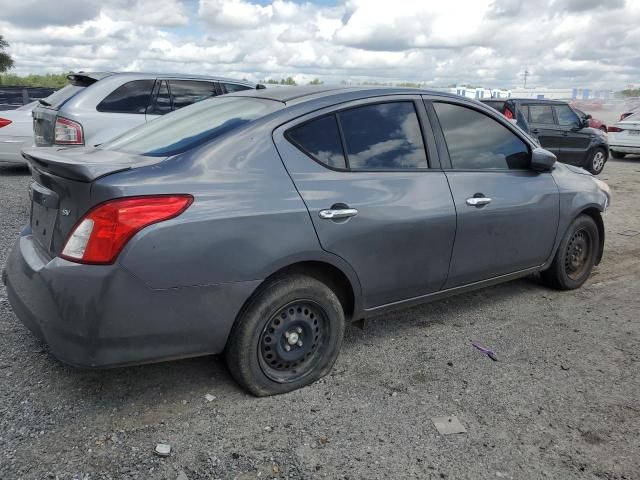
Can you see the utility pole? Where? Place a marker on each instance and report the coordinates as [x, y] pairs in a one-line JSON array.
[[526, 74]]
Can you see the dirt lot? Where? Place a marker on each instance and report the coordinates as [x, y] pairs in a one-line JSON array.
[[562, 402]]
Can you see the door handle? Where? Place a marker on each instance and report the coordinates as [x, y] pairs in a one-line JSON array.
[[478, 201], [337, 213]]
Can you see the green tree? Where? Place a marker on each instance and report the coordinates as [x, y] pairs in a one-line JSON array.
[[316, 81], [288, 81], [6, 62], [631, 93], [49, 80]]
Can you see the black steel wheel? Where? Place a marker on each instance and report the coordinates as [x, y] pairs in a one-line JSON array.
[[288, 335], [293, 341], [576, 255]]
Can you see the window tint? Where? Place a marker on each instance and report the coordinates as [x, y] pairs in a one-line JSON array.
[[525, 111], [186, 92], [566, 116], [132, 97], [540, 114], [234, 87], [192, 126], [476, 141], [162, 101], [321, 139], [383, 136], [57, 98]]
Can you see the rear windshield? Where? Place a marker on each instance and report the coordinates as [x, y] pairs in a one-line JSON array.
[[191, 126], [56, 99]]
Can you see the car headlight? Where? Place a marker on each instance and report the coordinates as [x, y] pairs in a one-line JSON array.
[[605, 188]]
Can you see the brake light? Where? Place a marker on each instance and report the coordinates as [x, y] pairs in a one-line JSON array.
[[100, 236], [4, 122], [615, 129], [68, 132], [508, 113]]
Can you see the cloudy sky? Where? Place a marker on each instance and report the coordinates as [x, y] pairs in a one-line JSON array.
[[562, 43]]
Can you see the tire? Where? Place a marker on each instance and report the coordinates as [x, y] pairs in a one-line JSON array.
[[596, 160], [576, 255], [618, 155], [282, 315]]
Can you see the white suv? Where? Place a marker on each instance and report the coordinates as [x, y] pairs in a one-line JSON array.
[[96, 107]]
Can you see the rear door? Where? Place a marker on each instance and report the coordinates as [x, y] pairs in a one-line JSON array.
[[376, 196], [543, 126], [575, 140], [507, 214]]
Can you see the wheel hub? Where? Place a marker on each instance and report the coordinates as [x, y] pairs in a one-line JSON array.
[[578, 250], [291, 339]]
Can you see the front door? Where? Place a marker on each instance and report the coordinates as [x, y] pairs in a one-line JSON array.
[[376, 198], [507, 213], [575, 140]]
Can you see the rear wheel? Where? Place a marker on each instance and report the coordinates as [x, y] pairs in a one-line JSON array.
[[288, 336], [576, 255], [617, 155], [596, 161]]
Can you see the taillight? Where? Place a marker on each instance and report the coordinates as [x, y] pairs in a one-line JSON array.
[[508, 113], [68, 132], [4, 122], [100, 236], [615, 129]]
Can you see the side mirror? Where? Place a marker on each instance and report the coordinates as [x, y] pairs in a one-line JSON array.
[[588, 116], [542, 160]]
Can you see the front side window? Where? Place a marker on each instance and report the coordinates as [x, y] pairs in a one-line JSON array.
[[384, 136], [566, 116], [132, 97], [478, 142], [192, 126], [541, 114], [162, 101], [320, 138], [186, 92]]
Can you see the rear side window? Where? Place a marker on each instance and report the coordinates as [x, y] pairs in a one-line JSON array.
[[234, 87], [191, 126], [132, 97], [566, 116], [186, 92], [541, 114], [385, 136], [320, 138], [478, 142]]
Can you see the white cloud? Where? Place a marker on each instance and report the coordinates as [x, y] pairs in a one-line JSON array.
[[487, 42]]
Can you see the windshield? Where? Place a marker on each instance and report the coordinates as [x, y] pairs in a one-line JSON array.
[[191, 126], [57, 98]]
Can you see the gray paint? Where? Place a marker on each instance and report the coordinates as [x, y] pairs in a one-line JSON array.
[[178, 286]]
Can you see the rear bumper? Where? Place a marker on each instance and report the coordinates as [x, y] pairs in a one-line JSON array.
[[103, 316], [625, 149], [10, 148]]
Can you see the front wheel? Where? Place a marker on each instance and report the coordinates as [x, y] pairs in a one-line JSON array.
[[576, 255], [288, 336], [596, 161]]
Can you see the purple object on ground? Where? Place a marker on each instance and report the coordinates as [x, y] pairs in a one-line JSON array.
[[489, 353]]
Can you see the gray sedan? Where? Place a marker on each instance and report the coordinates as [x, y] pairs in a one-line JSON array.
[[258, 223]]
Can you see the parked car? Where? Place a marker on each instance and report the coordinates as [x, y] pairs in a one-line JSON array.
[[12, 97], [16, 133], [562, 131], [97, 107], [258, 223], [624, 136], [593, 122]]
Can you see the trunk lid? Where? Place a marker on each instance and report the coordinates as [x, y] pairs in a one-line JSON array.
[[61, 189]]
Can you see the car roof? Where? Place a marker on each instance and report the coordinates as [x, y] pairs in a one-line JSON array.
[[298, 94], [141, 75]]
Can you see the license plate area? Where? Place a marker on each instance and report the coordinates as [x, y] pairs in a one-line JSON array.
[[44, 212], [634, 132]]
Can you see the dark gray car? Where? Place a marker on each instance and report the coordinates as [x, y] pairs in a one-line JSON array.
[[258, 223]]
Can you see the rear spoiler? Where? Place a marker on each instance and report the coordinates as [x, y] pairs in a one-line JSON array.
[[82, 164]]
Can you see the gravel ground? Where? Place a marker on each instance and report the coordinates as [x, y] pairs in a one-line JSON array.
[[562, 402]]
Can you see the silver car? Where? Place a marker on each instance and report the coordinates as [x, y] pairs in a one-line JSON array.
[[96, 107]]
